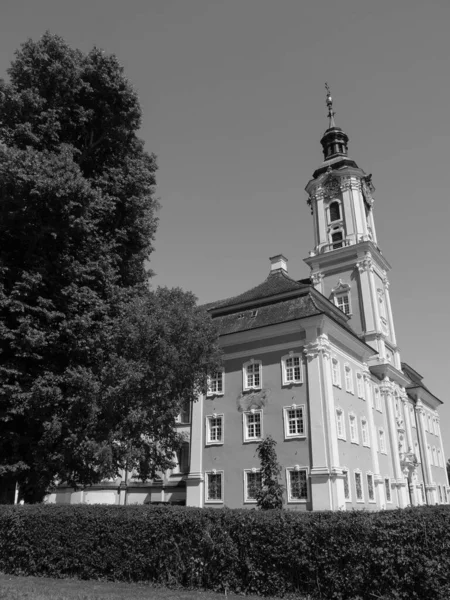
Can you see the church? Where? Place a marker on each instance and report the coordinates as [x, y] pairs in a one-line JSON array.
[[315, 364]]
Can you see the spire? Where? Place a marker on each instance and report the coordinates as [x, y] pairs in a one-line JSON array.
[[331, 113], [334, 141]]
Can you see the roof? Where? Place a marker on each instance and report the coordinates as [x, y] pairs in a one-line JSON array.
[[278, 299], [276, 283]]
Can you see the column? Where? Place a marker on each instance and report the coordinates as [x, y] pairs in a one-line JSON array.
[[387, 391], [430, 487], [320, 461], [389, 311], [367, 301], [321, 225], [378, 479], [317, 281], [442, 450], [410, 446], [195, 479]]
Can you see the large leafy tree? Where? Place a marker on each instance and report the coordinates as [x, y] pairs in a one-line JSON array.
[[94, 366]]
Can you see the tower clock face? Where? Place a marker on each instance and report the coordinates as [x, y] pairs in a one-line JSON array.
[[332, 187]]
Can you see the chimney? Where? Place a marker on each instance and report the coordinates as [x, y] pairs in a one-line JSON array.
[[278, 263]]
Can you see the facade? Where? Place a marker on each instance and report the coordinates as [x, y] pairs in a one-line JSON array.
[[315, 364]]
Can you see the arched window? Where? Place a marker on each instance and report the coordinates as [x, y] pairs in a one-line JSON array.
[[336, 239], [335, 212]]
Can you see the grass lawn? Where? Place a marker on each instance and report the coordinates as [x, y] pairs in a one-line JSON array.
[[40, 588]]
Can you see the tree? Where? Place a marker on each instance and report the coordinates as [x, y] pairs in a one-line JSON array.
[[94, 366], [270, 495]]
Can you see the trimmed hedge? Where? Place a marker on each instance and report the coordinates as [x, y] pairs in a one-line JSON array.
[[349, 555]]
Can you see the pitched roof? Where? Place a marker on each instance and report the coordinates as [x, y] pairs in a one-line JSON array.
[[277, 282]]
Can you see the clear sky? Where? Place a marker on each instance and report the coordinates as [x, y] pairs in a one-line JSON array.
[[233, 98]]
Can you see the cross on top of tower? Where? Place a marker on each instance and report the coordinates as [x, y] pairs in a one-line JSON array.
[[331, 112]]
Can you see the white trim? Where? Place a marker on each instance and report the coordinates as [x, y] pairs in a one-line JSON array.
[[291, 355], [289, 470], [366, 428], [354, 439], [340, 418], [336, 372], [210, 393], [349, 387], [208, 441], [417, 451], [377, 398], [359, 500], [288, 435], [245, 385], [349, 485], [253, 411], [360, 385], [382, 446], [435, 457], [246, 472], [222, 486], [374, 499]]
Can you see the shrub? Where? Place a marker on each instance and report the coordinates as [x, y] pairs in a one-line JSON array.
[[402, 554]]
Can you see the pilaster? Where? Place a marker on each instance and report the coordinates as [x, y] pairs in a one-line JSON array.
[[379, 483], [195, 478], [430, 486]]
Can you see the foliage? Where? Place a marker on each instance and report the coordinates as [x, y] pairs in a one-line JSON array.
[[402, 554], [270, 495], [93, 366]]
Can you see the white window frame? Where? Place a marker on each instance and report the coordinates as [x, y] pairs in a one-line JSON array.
[[209, 441], [430, 456], [341, 305], [358, 472], [289, 470], [245, 416], [417, 451], [412, 416], [435, 427], [341, 213], [354, 434], [377, 397], [439, 456], [360, 385], [284, 359], [336, 372], [382, 436], [430, 423], [371, 500], [211, 380], [340, 419], [435, 457], [365, 428], [349, 484], [245, 385], [388, 479], [253, 471], [286, 409], [222, 487], [341, 290], [348, 376]]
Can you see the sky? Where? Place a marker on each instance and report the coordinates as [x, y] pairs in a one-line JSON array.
[[233, 102]]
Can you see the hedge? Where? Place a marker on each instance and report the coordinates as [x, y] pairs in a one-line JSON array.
[[402, 554]]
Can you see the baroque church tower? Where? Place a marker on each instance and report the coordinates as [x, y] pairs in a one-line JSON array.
[[347, 265]]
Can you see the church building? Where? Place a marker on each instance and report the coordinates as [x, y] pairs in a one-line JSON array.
[[315, 364]]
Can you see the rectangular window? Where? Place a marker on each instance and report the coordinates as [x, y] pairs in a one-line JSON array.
[[435, 460], [252, 375], [417, 452], [336, 372], [370, 488], [413, 417], [365, 432], [343, 302], [346, 486], [292, 369], [353, 429], [445, 495], [377, 398], [430, 456], [252, 426], [214, 429], [214, 486], [252, 482], [422, 493], [387, 489], [440, 494], [430, 424], [382, 441], [348, 379], [297, 485], [435, 427], [360, 385], [340, 424], [358, 487], [216, 383], [294, 421], [440, 462]]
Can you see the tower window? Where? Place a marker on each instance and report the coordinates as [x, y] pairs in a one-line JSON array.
[[335, 212], [336, 240], [342, 301]]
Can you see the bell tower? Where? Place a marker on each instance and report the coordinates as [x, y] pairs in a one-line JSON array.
[[347, 265]]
